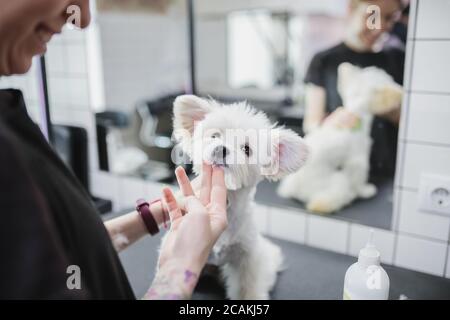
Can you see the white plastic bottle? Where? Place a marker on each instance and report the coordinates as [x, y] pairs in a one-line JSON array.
[[366, 279]]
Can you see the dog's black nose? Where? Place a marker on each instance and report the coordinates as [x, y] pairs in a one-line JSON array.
[[220, 152]]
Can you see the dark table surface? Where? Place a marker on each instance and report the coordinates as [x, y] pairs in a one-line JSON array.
[[311, 274]]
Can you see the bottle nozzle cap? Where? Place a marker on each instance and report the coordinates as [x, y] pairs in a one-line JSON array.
[[370, 243], [369, 255]]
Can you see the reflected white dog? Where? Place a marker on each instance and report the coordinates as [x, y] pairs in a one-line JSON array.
[[250, 148], [337, 169]]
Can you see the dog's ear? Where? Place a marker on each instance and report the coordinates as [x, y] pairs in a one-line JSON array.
[[189, 109], [289, 153]]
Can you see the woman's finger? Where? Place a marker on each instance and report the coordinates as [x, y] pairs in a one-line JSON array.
[[172, 205], [205, 190], [218, 188], [183, 182]]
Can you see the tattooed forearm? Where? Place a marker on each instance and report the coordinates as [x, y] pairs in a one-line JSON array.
[[172, 283]]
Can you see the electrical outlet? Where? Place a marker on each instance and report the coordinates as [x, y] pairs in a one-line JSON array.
[[434, 194]]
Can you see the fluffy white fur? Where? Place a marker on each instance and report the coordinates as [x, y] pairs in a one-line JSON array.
[[337, 169], [249, 262]]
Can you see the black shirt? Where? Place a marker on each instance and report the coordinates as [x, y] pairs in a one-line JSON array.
[[48, 221], [322, 72]]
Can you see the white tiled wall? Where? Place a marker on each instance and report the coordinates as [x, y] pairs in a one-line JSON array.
[[326, 233], [413, 221], [145, 55], [420, 254], [422, 238], [430, 75], [287, 226], [420, 158], [434, 21], [428, 118]]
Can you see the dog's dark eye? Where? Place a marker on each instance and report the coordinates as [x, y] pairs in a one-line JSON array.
[[215, 135], [246, 150]]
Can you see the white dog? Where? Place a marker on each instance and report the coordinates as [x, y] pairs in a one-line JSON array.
[[243, 141], [337, 169]]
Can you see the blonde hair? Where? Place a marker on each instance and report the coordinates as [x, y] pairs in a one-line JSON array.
[[355, 3]]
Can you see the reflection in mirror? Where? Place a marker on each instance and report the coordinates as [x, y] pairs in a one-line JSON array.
[[284, 58], [144, 54], [260, 49]]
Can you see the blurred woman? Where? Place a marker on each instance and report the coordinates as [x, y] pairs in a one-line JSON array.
[[49, 226], [362, 46]]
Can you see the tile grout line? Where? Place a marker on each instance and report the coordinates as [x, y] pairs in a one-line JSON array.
[[425, 143], [306, 229], [349, 234], [425, 238], [427, 92], [430, 39], [406, 188]]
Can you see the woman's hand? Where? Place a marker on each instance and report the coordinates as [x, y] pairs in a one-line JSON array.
[[341, 118], [191, 237], [344, 119], [315, 103]]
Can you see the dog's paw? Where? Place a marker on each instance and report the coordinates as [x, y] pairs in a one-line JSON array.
[[320, 206], [286, 187], [367, 191], [255, 296], [248, 295]]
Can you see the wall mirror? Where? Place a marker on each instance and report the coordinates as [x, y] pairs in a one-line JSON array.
[[265, 52]]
